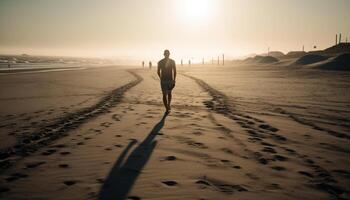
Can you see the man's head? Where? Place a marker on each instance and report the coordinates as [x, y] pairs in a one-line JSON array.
[[166, 53]]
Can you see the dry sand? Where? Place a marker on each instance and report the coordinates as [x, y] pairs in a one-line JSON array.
[[232, 134], [29, 101]]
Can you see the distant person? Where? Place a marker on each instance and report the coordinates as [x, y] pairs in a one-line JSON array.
[[150, 65], [167, 74], [143, 64]]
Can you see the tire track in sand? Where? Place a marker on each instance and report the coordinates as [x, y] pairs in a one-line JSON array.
[[320, 179], [59, 128]]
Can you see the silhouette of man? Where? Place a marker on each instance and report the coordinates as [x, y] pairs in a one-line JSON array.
[[167, 74]]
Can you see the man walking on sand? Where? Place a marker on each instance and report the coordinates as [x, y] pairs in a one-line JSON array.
[[167, 74]]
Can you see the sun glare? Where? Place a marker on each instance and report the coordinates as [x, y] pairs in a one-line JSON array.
[[195, 11]]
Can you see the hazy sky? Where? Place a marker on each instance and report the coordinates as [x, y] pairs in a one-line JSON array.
[[189, 28]]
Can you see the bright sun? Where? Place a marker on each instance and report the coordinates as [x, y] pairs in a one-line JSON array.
[[195, 11]]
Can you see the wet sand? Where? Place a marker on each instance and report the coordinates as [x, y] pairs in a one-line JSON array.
[[233, 133]]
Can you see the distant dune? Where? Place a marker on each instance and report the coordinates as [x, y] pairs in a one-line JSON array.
[[339, 48], [341, 63], [262, 59], [268, 59], [295, 54], [310, 59], [253, 59], [336, 57], [276, 54]]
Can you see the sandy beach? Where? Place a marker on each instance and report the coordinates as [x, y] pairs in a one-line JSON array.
[[234, 132], [174, 100], [33, 99]]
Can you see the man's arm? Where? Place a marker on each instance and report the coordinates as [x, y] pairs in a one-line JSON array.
[[158, 71], [174, 71]]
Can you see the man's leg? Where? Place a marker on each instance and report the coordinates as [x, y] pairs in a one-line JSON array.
[[169, 99], [165, 99]]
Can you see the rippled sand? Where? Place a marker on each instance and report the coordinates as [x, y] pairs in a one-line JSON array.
[[252, 132]]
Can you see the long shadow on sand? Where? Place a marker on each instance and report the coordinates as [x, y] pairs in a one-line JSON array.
[[124, 174]]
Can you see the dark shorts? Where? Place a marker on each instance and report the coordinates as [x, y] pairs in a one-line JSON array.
[[167, 85]]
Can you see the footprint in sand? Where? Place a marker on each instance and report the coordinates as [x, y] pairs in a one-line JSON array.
[[63, 165], [169, 158], [16, 176], [290, 150], [203, 183], [60, 145], [48, 152], [106, 124], [69, 183], [191, 142], [198, 145], [278, 168], [116, 117], [268, 127], [254, 139], [309, 161], [170, 183], [226, 150], [220, 185], [279, 137], [225, 161], [263, 161], [269, 150], [252, 176], [306, 174], [197, 133], [65, 153], [243, 125], [255, 134], [307, 136], [34, 165], [267, 144], [280, 158], [274, 186]]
